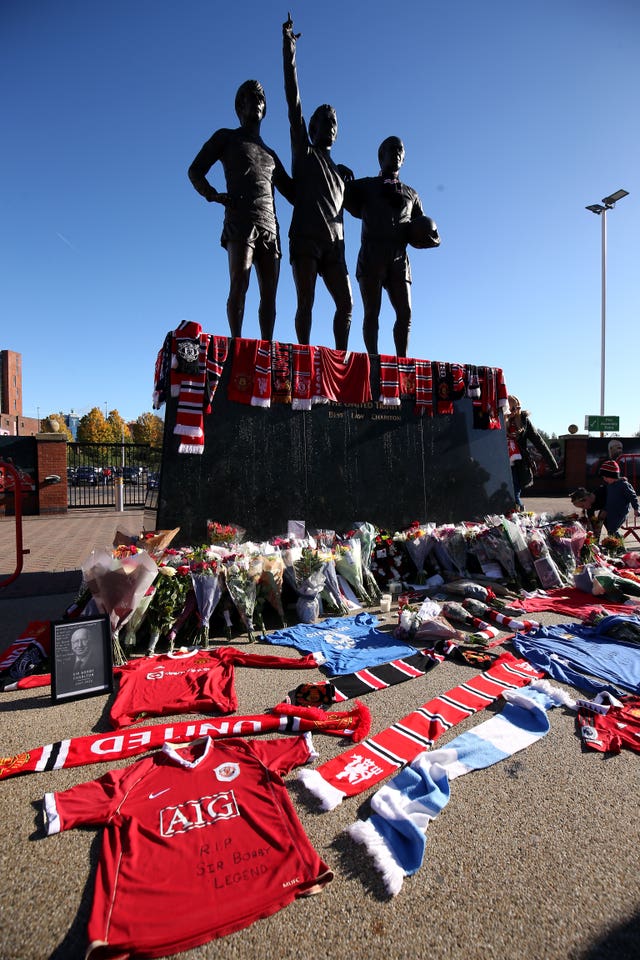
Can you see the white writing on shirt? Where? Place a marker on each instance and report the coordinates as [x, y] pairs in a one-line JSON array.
[[198, 813], [333, 638], [134, 739]]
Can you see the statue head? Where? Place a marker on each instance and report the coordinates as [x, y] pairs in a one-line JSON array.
[[251, 101], [323, 126], [391, 154]]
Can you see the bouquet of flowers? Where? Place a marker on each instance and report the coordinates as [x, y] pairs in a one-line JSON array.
[[207, 588], [226, 533], [476, 591], [332, 595], [545, 567], [424, 622], [348, 561], [270, 587], [389, 560], [117, 585], [136, 619], [451, 548], [155, 543], [417, 543], [612, 545], [167, 602], [366, 533], [324, 539], [304, 571], [497, 547], [590, 549], [565, 543], [518, 542], [241, 574]]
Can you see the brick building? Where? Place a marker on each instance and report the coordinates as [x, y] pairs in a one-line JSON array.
[[12, 421]]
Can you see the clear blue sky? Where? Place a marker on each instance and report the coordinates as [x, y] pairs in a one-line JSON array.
[[514, 116]]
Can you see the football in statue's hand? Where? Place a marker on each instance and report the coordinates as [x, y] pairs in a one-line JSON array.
[[422, 233]]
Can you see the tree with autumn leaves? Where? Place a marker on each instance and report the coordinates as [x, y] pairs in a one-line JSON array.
[[94, 427], [55, 423]]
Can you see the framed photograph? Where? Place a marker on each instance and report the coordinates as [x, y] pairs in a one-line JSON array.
[[81, 658]]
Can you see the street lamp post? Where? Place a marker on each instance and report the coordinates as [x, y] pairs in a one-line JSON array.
[[608, 203]]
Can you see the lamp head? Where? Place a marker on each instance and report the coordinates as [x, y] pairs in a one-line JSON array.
[[613, 199]]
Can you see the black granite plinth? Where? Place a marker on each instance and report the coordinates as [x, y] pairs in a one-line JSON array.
[[331, 466]]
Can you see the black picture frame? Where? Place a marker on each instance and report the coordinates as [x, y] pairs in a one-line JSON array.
[[81, 666]]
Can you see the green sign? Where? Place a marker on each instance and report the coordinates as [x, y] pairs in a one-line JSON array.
[[602, 424]]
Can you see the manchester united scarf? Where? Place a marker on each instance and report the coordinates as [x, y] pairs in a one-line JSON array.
[[281, 372], [250, 379], [380, 756], [389, 381], [395, 835], [424, 388], [106, 747], [380, 677], [188, 383], [303, 363], [482, 610]]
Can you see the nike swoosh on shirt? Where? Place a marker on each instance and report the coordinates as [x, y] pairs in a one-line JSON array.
[[152, 796]]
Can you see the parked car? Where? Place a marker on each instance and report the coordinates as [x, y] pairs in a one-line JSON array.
[[85, 474], [132, 474], [153, 481]]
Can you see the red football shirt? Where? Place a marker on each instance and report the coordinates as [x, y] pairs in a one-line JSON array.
[[199, 841], [186, 681]]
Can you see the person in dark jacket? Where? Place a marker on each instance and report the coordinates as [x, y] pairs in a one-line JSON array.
[[620, 496], [520, 433]]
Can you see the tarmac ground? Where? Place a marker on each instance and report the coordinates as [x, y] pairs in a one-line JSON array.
[[535, 858]]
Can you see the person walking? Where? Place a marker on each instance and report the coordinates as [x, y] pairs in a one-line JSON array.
[[520, 433]]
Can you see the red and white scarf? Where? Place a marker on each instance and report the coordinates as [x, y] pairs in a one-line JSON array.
[[107, 747], [216, 359], [303, 362], [424, 388], [281, 372], [188, 384], [378, 757], [389, 381]]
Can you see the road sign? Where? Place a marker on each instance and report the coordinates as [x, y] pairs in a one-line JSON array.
[[602, 424]]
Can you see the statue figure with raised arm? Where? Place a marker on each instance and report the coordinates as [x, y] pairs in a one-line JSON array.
[[250, 233], [316, 235]]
